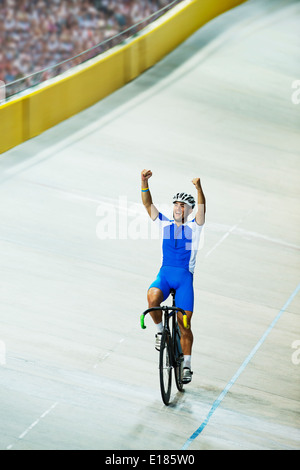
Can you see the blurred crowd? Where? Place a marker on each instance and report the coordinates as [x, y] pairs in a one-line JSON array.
[[38, 34]]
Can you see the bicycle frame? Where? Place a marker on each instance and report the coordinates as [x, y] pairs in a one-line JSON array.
[[171, 355]]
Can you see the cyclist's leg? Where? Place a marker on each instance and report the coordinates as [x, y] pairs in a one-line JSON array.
[[187, 340], [157, 293], [155, 298], [185, 300], [187, 337]]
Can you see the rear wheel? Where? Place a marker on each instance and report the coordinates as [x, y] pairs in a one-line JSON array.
[[165, 368]]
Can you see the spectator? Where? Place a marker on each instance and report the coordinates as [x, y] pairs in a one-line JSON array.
[[38, 34]]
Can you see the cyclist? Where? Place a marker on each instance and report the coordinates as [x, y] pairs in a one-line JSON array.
[[180, 242]]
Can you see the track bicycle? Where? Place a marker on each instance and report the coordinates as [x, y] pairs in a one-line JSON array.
[[170, 355]]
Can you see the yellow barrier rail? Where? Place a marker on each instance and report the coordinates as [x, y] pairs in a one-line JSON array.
[[54, 101]]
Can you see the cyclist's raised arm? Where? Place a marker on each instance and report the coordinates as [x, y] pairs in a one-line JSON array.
[[146, 194], [200, 215]]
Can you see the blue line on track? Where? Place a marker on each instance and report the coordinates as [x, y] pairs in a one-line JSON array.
[[222, 395]]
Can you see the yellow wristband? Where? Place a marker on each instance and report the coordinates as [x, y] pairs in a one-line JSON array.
[[145, 189]]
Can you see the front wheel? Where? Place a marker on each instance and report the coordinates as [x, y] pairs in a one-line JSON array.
[[178, 367], [178, 374], [165, 367]]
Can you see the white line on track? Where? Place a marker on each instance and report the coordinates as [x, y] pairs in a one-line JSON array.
[[53, 406], [27, 430], [106, 355], [234, 227], [222, 239]]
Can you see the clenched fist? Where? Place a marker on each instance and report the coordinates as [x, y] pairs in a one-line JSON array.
[[196, 182], [146, 174]]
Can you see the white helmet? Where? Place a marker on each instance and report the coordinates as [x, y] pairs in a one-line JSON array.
[[186, 198]]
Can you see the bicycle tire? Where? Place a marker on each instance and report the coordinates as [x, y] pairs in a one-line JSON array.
[[178, 367], [165, 367]]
